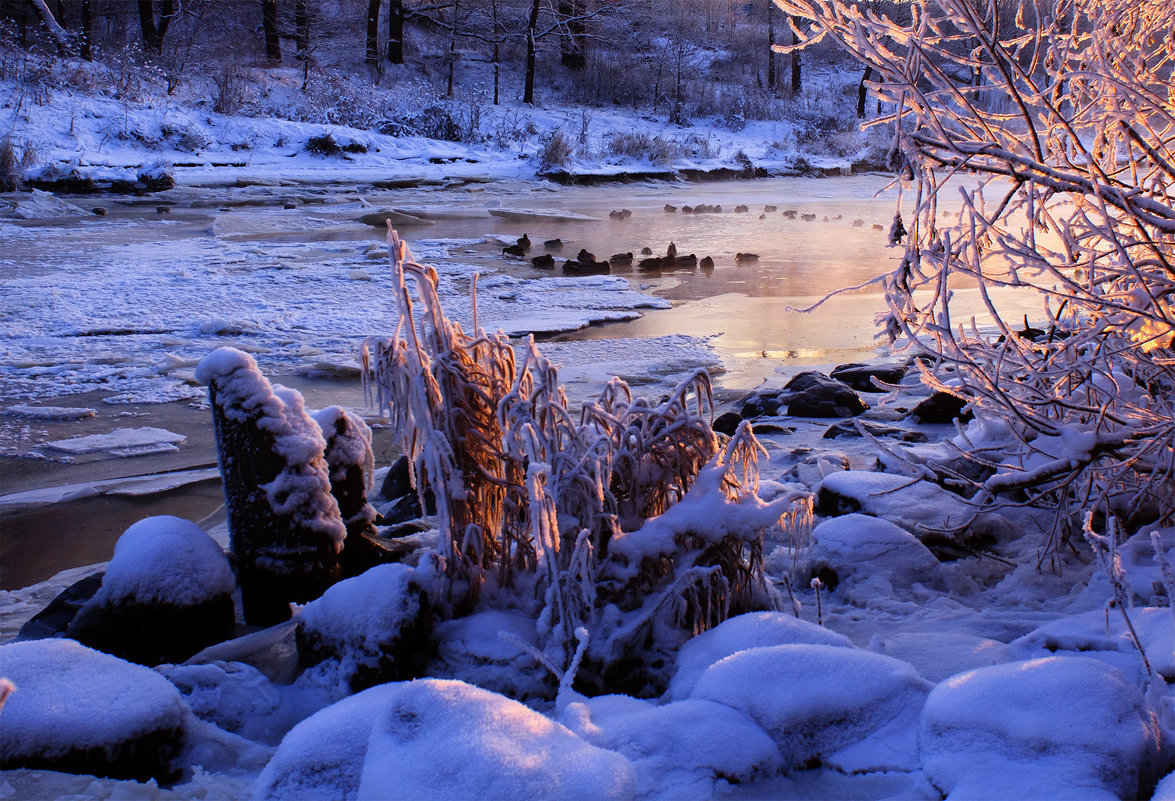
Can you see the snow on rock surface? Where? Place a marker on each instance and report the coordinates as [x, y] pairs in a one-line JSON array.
[[871, 557], [1098, 631], [752, 630], [679, 750], [79, 710], [1059, 727], [435, 739], [852, 709], [899, 499], [364, 610], [166, 559]]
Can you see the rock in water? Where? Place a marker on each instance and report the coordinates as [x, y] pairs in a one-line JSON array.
[[285, 528], [166, 595], [76, 710]]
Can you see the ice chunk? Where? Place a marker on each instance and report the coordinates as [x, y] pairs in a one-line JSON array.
[[124, 441], [49, 412]]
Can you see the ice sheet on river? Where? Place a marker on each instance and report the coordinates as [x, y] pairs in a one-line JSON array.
[[124, 315]]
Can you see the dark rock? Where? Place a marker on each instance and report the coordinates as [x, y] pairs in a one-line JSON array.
[[772, 428], [839, 430], [761, 405], [54, 619], [398, 481], [544, 262], [406, 507], [859, 376], [166, 595], [99, 211], [727, 423], [941, 407], [833, 504], [818, 395], [387, 639]]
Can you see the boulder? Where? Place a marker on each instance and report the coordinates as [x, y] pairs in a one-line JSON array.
[[941, 407], [839, 430], [77, 710], [727, 423], [439, 739], [845, 708], [816, 395], [368, 630], [860, 376], [863, 557], [54, 619], [1058, 727], [166, 595]]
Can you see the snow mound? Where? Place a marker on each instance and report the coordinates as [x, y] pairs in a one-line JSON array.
[[871, 557], [752, 630], [854, 710], [1096, 631], [899, 499], [169, 560], [678, 750], [70, 699], [364, 611], [1059, 727], [439, 740]]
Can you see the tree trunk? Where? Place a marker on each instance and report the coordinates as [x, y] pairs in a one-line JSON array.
[[371, 54], [273, 46], [87, 30], [154, 30], [60, 37], [396, 31], [863, 92], [770, 45], [302, 28], [497, 48], [452, 49], [532, 24], [796, 83]]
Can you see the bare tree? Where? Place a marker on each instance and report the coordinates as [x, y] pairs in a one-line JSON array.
[[1069, 129], [155, 29], [371, 50], [273, 47], [396, 31]]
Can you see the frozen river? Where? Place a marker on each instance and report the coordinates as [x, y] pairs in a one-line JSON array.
[[111, 313]]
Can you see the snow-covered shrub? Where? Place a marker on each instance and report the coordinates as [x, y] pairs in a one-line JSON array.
[[284, 524], [1072, 213], [641, 146], [556, 150], [632, 521]]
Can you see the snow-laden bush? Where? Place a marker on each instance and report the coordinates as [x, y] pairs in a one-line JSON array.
[[1064, 112], [635, 523]]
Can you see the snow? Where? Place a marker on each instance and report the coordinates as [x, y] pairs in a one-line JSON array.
[[1104, 630], [384, 594], [438, 739], [1059, 727], [871, 557], [683, 750], [739, 633], [68, 696], [168, 560], [905, 501], [851, 709]]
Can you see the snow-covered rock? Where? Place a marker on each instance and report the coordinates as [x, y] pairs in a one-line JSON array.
[[752, 630], [900, 499], [80, 711], [167, 593], [367, 630], [869, 556], [486, 649], [1059, 727], [678, 750], [851, 709], [439, 739], [1096, 632]]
